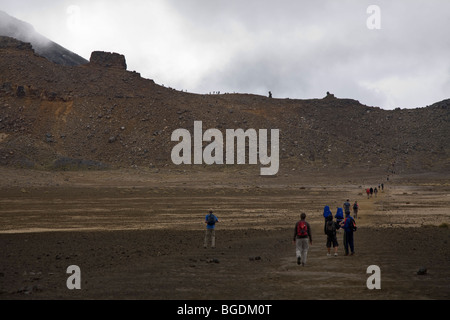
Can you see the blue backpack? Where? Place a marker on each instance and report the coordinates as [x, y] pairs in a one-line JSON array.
[[339, 214], [326, 211]]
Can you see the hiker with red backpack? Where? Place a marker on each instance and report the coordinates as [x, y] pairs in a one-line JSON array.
[[302, 239]]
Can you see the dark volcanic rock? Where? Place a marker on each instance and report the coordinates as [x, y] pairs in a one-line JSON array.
[[8, 42], [109, 115], [107, 59]]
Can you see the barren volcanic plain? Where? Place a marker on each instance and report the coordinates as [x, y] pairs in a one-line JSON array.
[[87, 180]]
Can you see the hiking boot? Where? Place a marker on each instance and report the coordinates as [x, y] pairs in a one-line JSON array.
[[299, 260], [328, 254], [335, 254]]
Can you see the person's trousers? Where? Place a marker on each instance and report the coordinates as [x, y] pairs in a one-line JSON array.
[[348, 242], [301, 248], [210, 233]]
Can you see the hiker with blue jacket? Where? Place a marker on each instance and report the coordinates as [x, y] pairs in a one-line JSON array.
[[349, 226], [210, 221]]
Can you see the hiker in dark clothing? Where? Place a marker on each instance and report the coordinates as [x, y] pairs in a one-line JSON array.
[[371, 192], [330, 228], [349, 227], [355, 209], [302, 233], [347, 206]]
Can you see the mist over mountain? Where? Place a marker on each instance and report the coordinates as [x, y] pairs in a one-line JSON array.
[[23, 31]]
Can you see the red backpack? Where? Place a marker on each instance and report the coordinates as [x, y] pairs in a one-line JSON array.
[[302, 229]]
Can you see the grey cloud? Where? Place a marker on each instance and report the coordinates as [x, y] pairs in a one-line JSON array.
[[296, 49]]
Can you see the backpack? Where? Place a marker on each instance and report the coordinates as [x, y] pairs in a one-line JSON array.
[[326, 211], [302, 229], [211, 220], [353, 226], [339, 214], [330, 228]]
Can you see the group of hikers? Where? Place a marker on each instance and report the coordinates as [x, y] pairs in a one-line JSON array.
[[302, 233], [374, 191]]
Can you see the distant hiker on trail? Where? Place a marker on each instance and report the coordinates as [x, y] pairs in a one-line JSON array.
[[375, 191], [371, 192], [210, 221], [349, 226], [368, 193], [347, 206], [355, 209], [302, 234], [270, 94], [330, 228]]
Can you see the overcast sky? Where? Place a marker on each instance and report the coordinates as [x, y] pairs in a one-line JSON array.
[[295, 49]]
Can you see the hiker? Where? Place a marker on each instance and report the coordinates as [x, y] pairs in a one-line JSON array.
[[371, 192], [349, 226], [355, 209], [375, 191], [330, 228], [302, 234], [347, 206], [368, 192], [210, 221]]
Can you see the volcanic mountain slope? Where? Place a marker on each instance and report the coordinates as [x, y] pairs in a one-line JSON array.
[[15, 28], [99, 114]]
